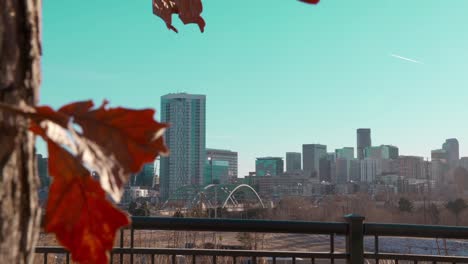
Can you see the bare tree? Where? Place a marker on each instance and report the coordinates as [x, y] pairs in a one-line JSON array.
[[456, 207], [434, 214], [20, 53]]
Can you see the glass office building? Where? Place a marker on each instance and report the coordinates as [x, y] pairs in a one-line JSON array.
[[186, 141]]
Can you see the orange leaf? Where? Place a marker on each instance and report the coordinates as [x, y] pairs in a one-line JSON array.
[[313, 2], [84, 221], [116, 142], [189, 12]]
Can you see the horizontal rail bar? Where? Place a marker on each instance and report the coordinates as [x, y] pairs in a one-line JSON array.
[[392, 256], [238, 225], [53, 250], [208, 252], [229, 253], [427, 231]]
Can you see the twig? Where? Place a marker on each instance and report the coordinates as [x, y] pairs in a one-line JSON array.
[[22, 109]]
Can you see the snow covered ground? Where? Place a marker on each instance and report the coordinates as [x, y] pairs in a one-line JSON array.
[[427, 246]]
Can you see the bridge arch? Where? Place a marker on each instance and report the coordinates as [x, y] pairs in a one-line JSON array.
[[237, 188], [209, 186], [193, 196]]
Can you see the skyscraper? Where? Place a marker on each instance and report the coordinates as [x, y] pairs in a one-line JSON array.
[[391, 152], [381, 152], [145, 177], [311, 155], [439, 154], [156, 173], [342, 164], [269, 166], [439, 169], [345, 153], [355, 170], [370, 168], [342, 170], [225, 155], [363, 141], [186, 140], [293, 161], [42, 168], [325, 169], [331, 157], [453, 154], [411, 167], [216, 172], [463, 163]]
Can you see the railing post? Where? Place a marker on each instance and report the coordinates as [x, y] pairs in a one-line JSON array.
[[355, 239]]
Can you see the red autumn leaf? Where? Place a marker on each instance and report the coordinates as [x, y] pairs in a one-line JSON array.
[[189, 12], [116, 142], [84, 221], [313, 2]]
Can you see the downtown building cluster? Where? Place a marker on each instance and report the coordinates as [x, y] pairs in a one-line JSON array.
[[371, 169]]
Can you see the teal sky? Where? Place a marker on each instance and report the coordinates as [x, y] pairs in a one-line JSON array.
[[277, 73]]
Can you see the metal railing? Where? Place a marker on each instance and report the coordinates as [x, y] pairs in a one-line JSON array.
[[353, 229], [415, 231]]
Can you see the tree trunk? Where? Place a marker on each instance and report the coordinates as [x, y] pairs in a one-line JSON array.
[[20, 53]]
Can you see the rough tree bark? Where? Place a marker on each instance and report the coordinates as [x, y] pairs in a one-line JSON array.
[[20, 53]]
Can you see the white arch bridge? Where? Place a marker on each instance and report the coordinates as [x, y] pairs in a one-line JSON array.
[[232, 197]]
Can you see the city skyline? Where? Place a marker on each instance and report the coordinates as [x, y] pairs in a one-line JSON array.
[[244, 168], [274, 82], [267, 131]]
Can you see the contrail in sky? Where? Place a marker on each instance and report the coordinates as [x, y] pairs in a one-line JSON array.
[[406, 59]]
